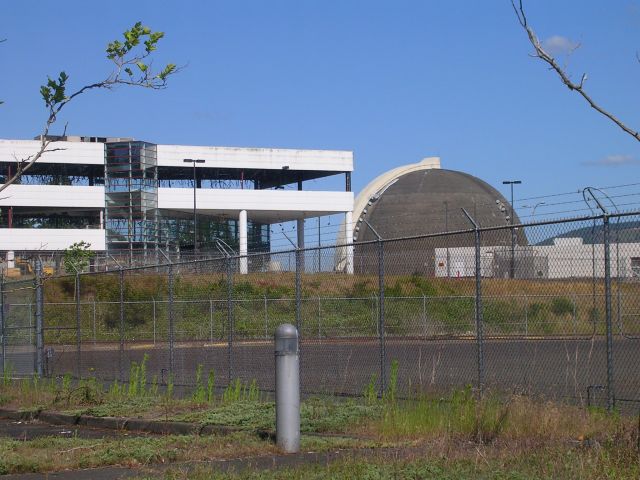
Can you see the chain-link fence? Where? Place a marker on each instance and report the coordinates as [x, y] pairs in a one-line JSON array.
[[547, 308]]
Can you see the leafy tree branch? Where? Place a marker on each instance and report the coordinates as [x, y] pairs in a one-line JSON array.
[[132, 66], [546, 57]]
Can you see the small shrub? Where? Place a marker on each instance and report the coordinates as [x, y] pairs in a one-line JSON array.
[[535, 309], [561, 306], [422, 284]]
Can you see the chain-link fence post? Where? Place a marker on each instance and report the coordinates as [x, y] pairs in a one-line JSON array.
[[479, 319], [121, 331], [526, 315], [383, 350], [3, 328], [39, 320], [381, 333], [478, 304], [94, 320], [299, 267], [319, 319], [229, 268], [153, 300], [171, 321], [266, 318], [607, 296], [211, 309], [78, 328], [424, 315]]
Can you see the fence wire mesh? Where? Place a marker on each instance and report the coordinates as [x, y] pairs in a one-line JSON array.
[[547, 309]]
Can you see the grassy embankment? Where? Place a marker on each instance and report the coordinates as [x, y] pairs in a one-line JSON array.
[[332, 305]]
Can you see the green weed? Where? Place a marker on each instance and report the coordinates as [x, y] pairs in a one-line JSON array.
[[210, 386], [370, 392], [66, 382], [138, 378], [169, 392], [7, 374], [199, 394], [392, 388], [238, 391], [561, 306]]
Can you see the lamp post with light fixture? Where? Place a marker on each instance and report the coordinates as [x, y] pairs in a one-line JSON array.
[[195, 217], [533, 212]]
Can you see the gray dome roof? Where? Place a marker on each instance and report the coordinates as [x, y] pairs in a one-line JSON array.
[[430, 201]]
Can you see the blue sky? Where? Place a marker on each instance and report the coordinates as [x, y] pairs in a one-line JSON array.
[[392, 81]]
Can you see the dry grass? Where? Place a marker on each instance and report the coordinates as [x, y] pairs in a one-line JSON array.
[[50, 454], [516, 419]]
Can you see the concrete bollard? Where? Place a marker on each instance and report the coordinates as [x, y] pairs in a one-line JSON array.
[[287, 389]]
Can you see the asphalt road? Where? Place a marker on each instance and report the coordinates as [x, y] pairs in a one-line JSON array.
[[555, 368]]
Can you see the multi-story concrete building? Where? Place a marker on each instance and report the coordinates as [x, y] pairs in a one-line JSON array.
[[128, 196]]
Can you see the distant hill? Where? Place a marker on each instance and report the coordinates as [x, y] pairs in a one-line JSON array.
[[623, 232]]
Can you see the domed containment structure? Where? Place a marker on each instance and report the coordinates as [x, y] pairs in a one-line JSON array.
[[423, 199]]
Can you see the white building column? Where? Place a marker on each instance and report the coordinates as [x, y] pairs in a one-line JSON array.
[[348, 225], [242, 237]]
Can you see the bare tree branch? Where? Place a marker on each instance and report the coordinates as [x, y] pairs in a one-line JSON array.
[[546, 57], [130, 69]]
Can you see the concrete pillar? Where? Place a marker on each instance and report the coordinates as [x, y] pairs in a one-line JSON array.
[[11, 257], [348, 225], [242, 234]]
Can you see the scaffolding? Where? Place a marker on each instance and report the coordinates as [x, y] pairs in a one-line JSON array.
[[131, 196]]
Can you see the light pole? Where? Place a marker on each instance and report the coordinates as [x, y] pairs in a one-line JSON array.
[[512, 266], [195, 217], [533, 212]]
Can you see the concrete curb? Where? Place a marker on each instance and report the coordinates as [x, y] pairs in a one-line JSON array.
[[26, 415], [110, 423], [55, 418], [157, 427], [141, 425]]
